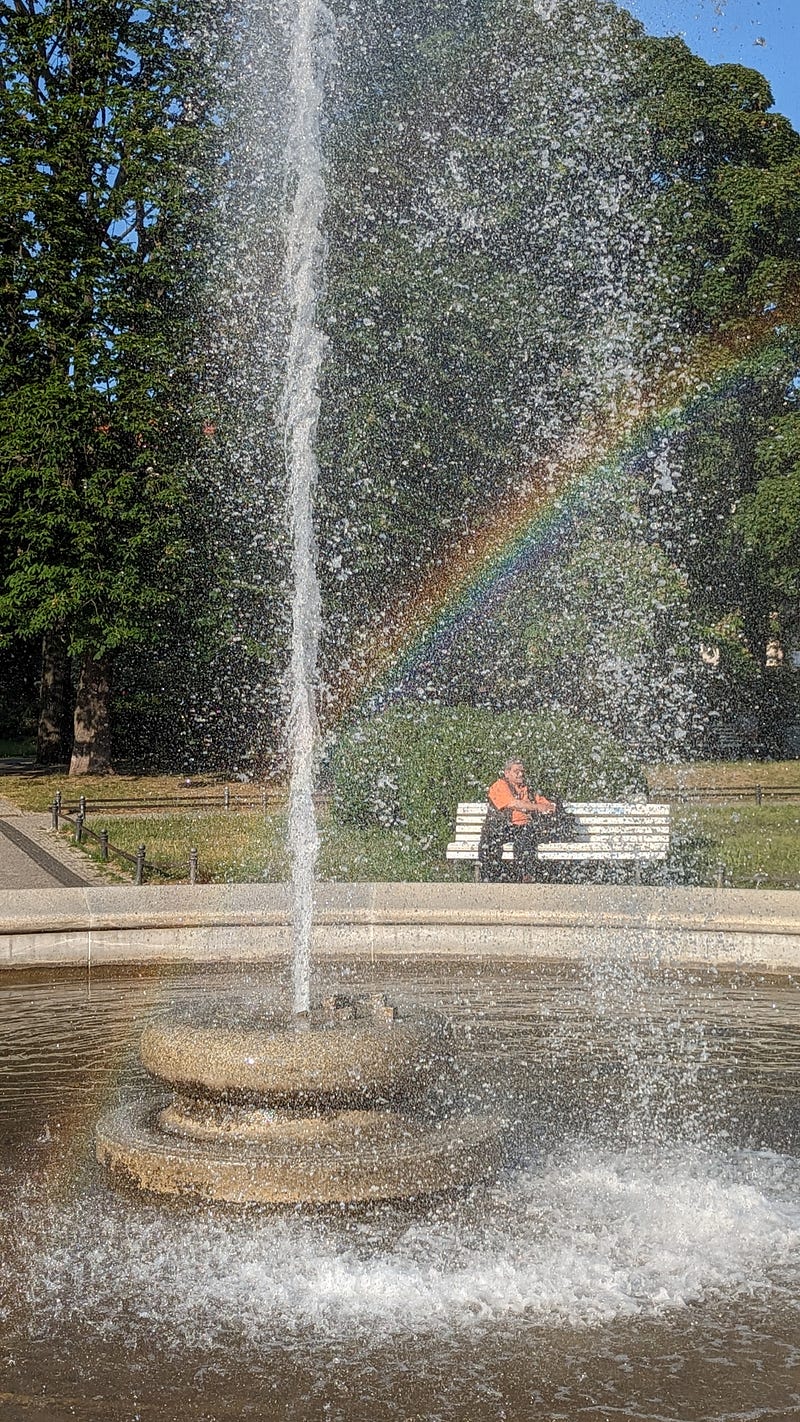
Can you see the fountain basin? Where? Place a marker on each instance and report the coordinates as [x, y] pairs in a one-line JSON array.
[[278, 1062], [352, 1156], [331, 1108], [620, 1254], [173, 924]]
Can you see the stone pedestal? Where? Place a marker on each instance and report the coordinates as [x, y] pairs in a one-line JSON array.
[[328, 1109]]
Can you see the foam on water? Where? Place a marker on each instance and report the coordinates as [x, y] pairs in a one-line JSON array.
[[583, 1237]]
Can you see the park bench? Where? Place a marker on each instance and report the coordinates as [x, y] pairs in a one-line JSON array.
[[605, 832]]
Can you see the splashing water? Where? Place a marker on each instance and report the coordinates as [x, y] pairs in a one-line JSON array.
[[587, 1236], [303, 276]]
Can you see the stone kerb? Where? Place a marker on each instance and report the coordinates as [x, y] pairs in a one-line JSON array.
[[122, 925]]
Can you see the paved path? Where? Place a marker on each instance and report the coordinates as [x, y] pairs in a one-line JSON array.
[[32, 857], [25, 863]]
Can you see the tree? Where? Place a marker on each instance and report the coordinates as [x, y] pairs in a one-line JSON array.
[[529, 223], [768, 518], [726, 173], [110, 136], [492, 272]]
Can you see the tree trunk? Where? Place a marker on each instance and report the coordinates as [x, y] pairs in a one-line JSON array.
[[91, 750], [53, 735]]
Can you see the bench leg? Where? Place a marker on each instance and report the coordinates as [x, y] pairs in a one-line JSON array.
[[476, 873]]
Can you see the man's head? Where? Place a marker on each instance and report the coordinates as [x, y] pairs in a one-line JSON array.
[[514, 771]]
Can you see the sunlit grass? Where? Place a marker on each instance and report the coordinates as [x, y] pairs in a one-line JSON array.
[[35, 789], [734, 775], [248, 847], [755, 843]]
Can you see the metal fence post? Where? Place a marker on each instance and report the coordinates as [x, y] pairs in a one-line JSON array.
[[54, 811], [104, 844], [192, 866], [78, 828], [82, 806], [264, 801], [138, 877], [759, 794], [226, 797], [58, 800], [720, 876]]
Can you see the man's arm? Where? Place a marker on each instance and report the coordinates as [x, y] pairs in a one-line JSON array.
[[538, 806]]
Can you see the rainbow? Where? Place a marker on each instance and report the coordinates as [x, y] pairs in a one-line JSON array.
[[528, 524]]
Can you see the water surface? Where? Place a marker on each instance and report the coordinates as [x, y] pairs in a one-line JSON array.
[[639, 1257]]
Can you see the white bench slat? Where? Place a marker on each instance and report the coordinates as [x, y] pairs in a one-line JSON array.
[[588, 839], [609, 856], [602, 822], [587, 829], [597, 845], [554, 848], [584, 818], [604, 829], [596, 822]]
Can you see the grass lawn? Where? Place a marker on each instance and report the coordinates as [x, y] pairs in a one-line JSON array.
[[756, 844], [750, 840], [733, 775], [247, 846], [35, 789]]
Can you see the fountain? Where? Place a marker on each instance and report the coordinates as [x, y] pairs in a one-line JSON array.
[[648, 1226], [300, 1108], [644, 1229], [328, 1110]]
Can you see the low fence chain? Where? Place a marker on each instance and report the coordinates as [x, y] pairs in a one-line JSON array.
[[141, 865], [696, 794]]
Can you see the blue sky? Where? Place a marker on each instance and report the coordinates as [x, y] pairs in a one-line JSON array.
[[764, 34]]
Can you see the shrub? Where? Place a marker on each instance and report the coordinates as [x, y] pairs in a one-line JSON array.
[[409, 766]]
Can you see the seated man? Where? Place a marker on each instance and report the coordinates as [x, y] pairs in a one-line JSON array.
[[513, 815]]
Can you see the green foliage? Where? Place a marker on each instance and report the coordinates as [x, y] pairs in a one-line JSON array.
[[729, 527], [469, 275], [501, 263], [615, 593], [410, 766], [726, 171], [769, 516], [109, 131], [520, 213]]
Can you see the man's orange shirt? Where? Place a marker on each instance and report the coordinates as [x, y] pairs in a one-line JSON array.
[[501, 795]]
